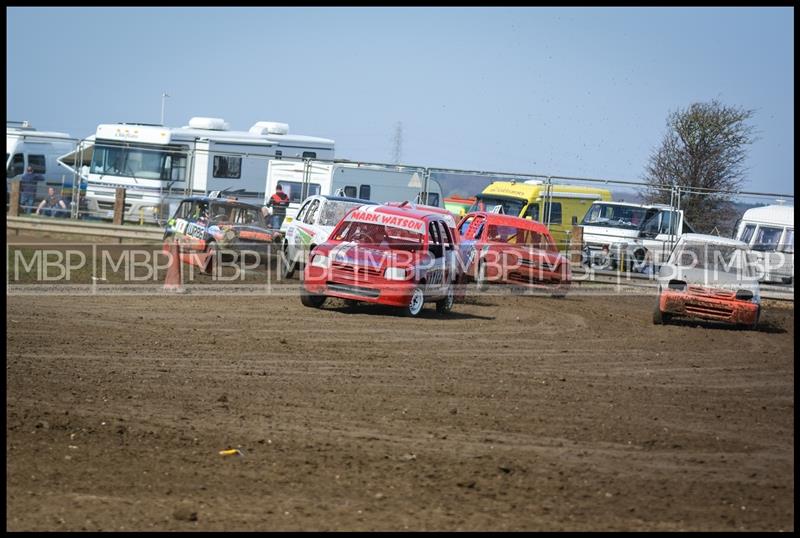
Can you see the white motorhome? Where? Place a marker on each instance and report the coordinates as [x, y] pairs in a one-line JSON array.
[[375, 182], [769, 232], [625, 233], [25, 146], [158, 165]]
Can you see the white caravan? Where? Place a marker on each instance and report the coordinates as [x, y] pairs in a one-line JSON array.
[[158, 166], [25, 146], [769, 232], [374, 182]]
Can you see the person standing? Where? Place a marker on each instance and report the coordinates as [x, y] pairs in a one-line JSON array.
[[279, 202], [29, 184]]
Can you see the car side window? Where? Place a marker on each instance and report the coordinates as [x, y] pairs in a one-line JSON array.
[[183, 210], [444, 232], [434, 240], [311, 214], [302, 213]]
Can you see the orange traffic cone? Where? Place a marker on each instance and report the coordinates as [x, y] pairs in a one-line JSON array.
[[174, 278]]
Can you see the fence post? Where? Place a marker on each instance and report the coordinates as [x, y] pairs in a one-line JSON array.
[[13, 203], [119, 206]]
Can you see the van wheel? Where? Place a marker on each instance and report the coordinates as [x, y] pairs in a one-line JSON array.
[[443, 306], [311, 300], [415, 304]]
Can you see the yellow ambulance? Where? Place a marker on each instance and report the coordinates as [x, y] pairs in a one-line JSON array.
[[559, 209]]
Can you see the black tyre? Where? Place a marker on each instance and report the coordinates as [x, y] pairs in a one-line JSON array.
[[287, 266], [311, 300], [443, 306], [658, 315], [415, 304], [480, 279], [213, 263]]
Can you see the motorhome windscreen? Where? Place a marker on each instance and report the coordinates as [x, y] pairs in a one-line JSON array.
[[294, 189], [511, 206], [513, 235], [139, 163], [617, 216], [379, 235], [334, 211], [721, 258]]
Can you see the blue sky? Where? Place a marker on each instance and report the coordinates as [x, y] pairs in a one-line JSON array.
[[561, 91]]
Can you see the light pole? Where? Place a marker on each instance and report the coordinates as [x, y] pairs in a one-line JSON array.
[[163, 97]]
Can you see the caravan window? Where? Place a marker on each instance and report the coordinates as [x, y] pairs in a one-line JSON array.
[[294, 189], [788, 242], [227, 167], [17, 165], [37, 163], [363, 192], [747, 233], [350, 191], [767, 238]]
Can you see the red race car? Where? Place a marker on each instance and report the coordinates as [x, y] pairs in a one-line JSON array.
[[401, 256], [512, 250]]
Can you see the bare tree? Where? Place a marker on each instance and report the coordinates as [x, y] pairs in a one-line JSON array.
[[703, 152]]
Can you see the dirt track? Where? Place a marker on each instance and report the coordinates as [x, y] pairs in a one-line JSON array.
[[513, 413]]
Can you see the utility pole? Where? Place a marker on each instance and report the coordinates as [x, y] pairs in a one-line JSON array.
[[163, 97], [398, 143]]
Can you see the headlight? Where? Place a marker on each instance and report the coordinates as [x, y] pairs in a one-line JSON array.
[[395, 273], [320, 261]]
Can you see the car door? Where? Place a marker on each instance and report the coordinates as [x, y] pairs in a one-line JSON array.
[[293, 239], [450, 262], [434, 276], [307, 230]]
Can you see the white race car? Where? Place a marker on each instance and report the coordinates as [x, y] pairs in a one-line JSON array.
[[315, 220]]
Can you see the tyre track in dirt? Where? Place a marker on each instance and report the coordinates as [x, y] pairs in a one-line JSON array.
[[514, 413]]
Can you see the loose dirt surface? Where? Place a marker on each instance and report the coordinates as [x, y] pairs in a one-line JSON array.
[[512, 413]]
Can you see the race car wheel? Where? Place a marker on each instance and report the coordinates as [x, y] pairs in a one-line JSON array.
[[754, 326], [311, 300], [287, 266], [480, 279], [660, 317], [212, 265], [415, 304], [445, 305]]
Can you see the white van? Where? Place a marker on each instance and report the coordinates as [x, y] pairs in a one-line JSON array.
[[25, 146], [374, 182], [769, 232]]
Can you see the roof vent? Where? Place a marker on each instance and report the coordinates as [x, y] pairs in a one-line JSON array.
[[210, 124], [270, 127]]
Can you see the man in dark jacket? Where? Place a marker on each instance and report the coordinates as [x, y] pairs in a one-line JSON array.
[[29, 184], [279, 202]]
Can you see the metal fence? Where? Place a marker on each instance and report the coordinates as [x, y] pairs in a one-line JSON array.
[[618, 248]]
